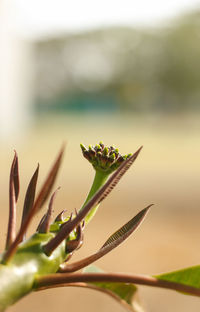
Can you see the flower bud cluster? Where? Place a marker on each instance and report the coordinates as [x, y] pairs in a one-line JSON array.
[[103, 158]]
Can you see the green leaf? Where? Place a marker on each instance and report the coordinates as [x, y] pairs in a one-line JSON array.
[[189, 276], [124, 293]]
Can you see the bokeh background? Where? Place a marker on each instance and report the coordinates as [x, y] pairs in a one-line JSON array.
[[125, 73]]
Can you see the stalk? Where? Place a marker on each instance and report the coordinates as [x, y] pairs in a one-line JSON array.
[[105, 160], [99, 180], [63, 279], [18, 277]]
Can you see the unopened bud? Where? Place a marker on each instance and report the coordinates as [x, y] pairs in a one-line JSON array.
[[103, 158]]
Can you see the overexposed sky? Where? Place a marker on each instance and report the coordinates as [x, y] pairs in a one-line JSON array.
[[41, 17]]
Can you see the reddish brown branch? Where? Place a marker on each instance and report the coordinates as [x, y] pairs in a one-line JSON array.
[[59, 279]]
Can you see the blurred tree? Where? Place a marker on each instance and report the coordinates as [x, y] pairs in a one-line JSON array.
[[179, 76], [122, 68]]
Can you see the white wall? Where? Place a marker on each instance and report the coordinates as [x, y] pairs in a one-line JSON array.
[[15, 75]]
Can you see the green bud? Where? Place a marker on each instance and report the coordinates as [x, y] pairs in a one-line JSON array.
[[105, 151], [83, 148], [112, 157], [103, 158], [97, 147]]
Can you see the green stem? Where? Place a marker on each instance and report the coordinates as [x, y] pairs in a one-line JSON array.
[[18, 277], [99, 180]]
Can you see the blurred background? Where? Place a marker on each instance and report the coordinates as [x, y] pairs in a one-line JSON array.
[[126, 73]]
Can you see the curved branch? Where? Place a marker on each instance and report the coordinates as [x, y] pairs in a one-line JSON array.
[[58, 279]]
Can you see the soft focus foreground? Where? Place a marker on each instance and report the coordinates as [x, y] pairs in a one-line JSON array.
[[167, 173]]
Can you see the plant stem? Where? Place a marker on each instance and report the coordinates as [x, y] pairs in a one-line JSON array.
[[99, 180], [60, 279]]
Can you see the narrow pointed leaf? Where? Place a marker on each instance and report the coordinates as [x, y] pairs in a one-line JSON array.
[[15, 176], [189, 276], [96, 199], [13, 197], [41, 222], [60, 216], [30, 196], [41, 198], [126, 230], [112, 242], [118, 174], [48, 183], [45, 224]]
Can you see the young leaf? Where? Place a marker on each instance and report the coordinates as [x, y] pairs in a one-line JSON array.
[[118, 174], [15, 176], [112, 242], [30, 196], [189, 276], [44, 226], [120, 235], [48, 183], [13, 197], [41, 198]]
